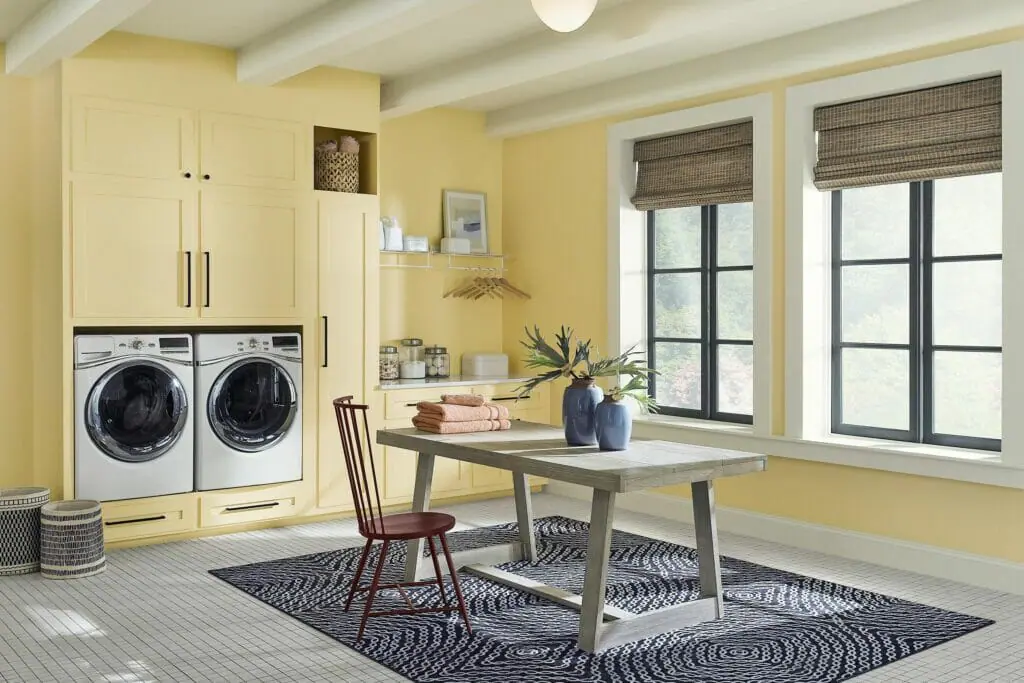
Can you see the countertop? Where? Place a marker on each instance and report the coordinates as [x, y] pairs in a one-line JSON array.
[[452, 381]]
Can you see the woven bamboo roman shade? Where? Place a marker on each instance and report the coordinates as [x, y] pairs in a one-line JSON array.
[[941, 132], [711, 166]]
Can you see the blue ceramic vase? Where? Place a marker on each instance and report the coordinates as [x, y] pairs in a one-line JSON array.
[[578, 405], [614, 425]]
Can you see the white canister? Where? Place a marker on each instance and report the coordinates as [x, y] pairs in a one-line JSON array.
[[393, 236]]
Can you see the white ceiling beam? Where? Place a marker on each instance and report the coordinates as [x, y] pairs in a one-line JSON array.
[[63, 28], [333, 31], [906, 28], [625, 30]]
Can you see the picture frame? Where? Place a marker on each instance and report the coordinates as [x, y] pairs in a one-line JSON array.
[[465, 215]]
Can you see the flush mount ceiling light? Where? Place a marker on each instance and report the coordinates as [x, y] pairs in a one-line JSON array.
[[564, 15]]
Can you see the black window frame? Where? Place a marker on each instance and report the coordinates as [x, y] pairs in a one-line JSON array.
[[708, 340], [921, 347]]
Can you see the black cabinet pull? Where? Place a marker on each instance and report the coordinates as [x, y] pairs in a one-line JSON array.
[[247, 508], [188, 174], [156, 518], [188, 279], [505, 398], [206, 272], [325, 340], [206, 176]]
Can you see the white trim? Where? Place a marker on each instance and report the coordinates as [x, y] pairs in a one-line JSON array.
[[979, 467], [951, 565], [627, 264], [807, 249]]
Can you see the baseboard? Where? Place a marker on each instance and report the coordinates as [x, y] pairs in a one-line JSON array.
[[976, 570]]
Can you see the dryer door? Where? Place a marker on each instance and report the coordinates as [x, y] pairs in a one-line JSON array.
[[252, 404], [136, 411]]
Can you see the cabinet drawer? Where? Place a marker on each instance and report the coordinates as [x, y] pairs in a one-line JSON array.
[[507, 395], [131, 519], [401, 404], [239, 507]]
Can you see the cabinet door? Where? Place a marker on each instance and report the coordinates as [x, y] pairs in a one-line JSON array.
[[255, 152], [400, 474], [256, 256], [346, 233], [130, 139], [133, 249]]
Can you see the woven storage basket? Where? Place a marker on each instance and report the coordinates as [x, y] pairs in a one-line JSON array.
[[19, 529], [72, 539], [336, 171]]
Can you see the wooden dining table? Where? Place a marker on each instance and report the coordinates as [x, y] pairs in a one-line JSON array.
[[541, 450]]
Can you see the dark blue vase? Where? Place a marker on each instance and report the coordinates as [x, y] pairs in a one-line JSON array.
[[614, 425], [578, 405]]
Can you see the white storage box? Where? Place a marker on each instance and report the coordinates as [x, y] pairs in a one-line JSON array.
[[485, 365]]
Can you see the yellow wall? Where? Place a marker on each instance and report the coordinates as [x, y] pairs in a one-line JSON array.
[[15, 282], [555, 209], [421, 155]]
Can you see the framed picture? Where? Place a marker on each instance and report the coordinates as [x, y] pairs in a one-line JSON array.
[[465, 215]]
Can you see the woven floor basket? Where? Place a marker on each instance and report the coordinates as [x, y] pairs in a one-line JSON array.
[[72, 539], [19, 529], [336, 171]]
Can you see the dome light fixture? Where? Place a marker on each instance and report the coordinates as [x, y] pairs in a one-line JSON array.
[[564, 16]]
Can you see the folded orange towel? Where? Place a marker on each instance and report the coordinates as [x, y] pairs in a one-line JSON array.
[[461, 413], [463, 399], [438, 427]]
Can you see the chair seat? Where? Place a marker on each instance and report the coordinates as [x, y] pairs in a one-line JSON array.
[[409, 525]]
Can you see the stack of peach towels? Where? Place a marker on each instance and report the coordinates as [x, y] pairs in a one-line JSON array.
[[461, 414]]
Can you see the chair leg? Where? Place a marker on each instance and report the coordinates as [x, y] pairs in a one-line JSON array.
[[373, 589], [359, 573], [455, 582], [437, 572]]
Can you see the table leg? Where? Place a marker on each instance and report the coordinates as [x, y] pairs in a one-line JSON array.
[[420, 503], [602, 510], [703, 493], [524, 516]]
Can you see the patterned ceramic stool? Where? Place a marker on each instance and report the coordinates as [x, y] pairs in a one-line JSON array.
[[72, 539], [19, 529]]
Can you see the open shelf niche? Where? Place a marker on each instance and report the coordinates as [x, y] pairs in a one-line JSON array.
[[367, 154]]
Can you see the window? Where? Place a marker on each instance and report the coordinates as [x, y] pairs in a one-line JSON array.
[[701, 310], [917, 311]]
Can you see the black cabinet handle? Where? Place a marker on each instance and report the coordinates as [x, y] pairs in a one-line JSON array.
[[206, 176], [188, 174], [325, 340], [206, 272], [156, 518], [188, 279], [505, 398], [247, 508]]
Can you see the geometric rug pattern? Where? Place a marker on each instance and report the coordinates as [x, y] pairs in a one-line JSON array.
[[778, 626]]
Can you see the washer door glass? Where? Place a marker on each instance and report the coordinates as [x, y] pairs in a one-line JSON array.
[[137, 411], [252, 405]]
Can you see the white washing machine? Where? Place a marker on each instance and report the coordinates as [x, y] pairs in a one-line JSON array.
[[133, 416], [250, 390]]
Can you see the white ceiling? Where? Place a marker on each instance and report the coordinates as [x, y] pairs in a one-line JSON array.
[[496, 56]]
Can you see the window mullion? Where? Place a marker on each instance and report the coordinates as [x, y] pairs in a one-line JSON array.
[[925, 355], [708, 322], [918, 324]]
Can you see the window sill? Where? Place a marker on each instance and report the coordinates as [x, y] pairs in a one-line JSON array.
[[979, 467]]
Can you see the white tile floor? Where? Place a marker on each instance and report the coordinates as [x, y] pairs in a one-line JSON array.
[[156, 615]]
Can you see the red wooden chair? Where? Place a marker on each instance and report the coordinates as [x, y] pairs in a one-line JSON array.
[[354, 429]]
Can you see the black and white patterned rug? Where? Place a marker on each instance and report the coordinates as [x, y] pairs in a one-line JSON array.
[[778, 627]]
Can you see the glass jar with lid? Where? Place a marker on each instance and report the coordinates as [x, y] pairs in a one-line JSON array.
[[388, 362], [437, 360], [411, 363]]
